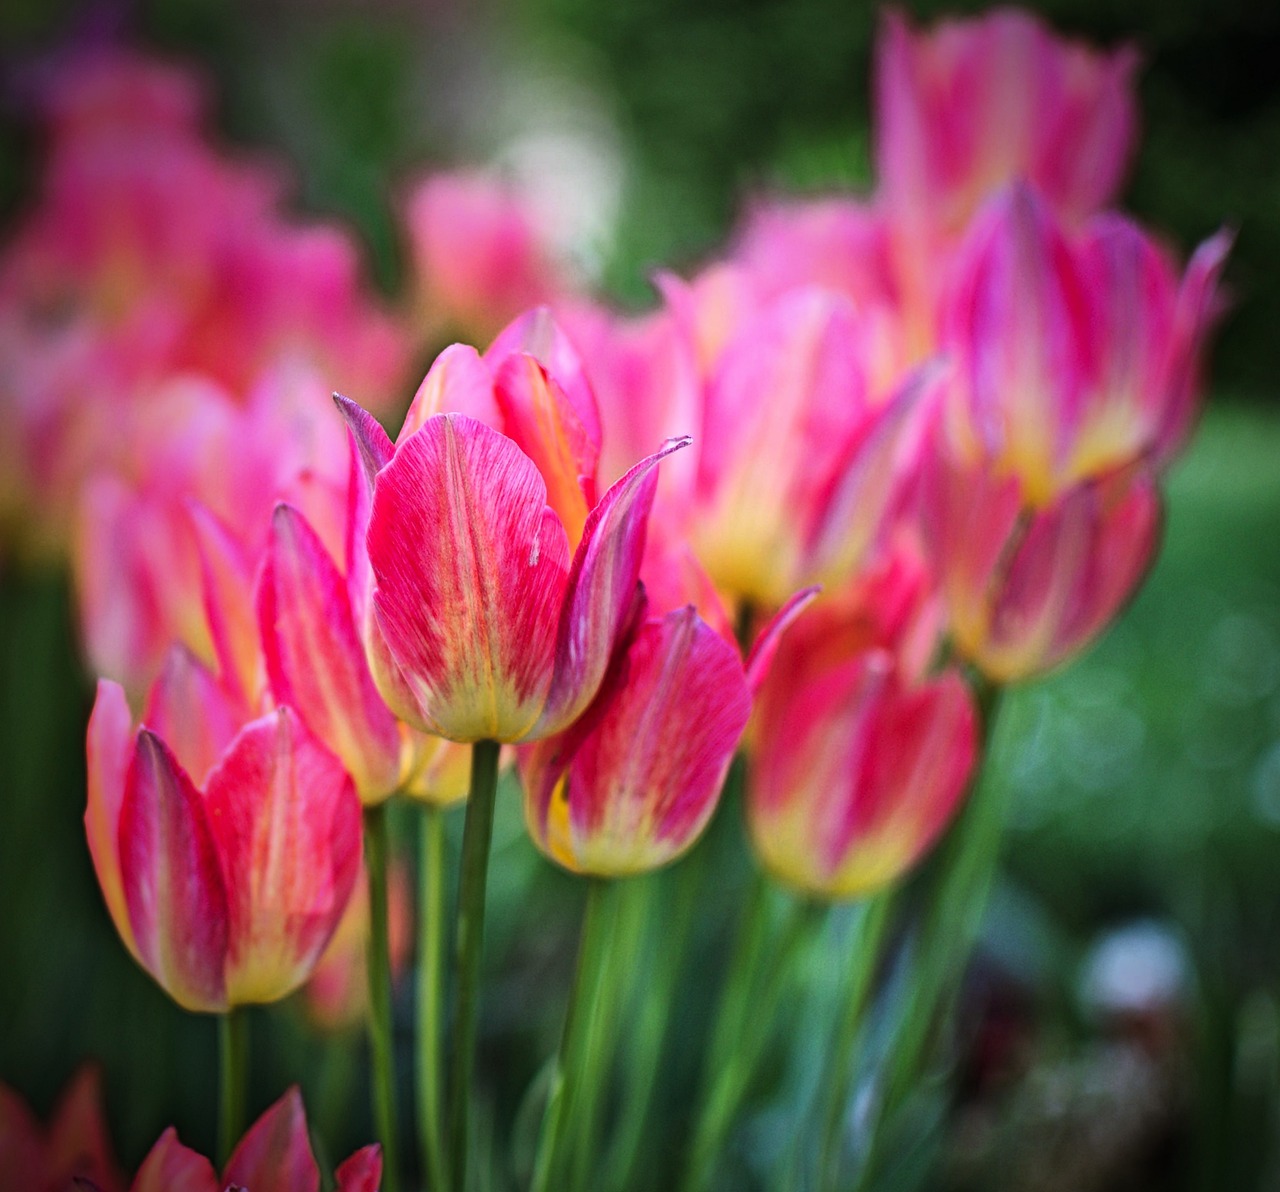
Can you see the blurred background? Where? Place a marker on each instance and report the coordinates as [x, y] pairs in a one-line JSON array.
[[1121, 1027]]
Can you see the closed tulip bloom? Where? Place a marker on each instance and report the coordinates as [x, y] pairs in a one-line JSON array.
[[631, 786], [972, 105], [1029, 586], [226, 850], [274, 1156], [500, 587], [1075, 353], [858, 762]]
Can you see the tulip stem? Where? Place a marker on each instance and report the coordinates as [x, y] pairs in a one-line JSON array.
[[477, 833], [431, 995], [579, 1027], [838, 1074], [233, 1057], [966, 866], [379, 957], [757, 978]]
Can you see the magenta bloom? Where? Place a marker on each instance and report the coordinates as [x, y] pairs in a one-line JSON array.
[[226, 847], [273, 1156], [858, 761], [972, 105], [501, 586]]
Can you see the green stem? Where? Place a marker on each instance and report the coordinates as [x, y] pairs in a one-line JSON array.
[[477, 833], [966, 868], [431, 898], [379, 958], [757, 979], [584, 1001], [233, 1058], [838, 1077]]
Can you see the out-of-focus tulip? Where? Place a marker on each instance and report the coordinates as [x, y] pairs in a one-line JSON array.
[[1074, 353], [857, 761], [337, 994], [74, 1148], [1029, 586], [799, 465], [481, 623], [156, 533], [972, 105], [478, 256], [226, 851], [273, 1156], [149, 254]]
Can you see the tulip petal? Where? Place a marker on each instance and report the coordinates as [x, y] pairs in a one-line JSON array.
[[192, 713], [600, 599], [287, 825], [275, 1153], [765, 647], [21, 1143], [315, 660], [228, 601], [110, 751], [374, 446], [174, 886], [172, 1167], [78, 1143], [360, 1173], [458, 382], [547, 427], [471, 569]]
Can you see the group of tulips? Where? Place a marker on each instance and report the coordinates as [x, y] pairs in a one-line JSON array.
[[883, 457]]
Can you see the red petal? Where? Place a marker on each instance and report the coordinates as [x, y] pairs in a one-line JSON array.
[[275, 1153], [172, 1167]]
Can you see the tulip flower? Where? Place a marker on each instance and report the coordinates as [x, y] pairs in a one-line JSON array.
[[800, 467], [481, 626], [858, 761], [226, 850], [478, 256], [1074, 354], [1027, 586], [273, 1156], [972, 105], [73, 1150]]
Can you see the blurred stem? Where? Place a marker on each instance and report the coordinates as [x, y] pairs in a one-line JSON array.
[[758, 974], [838, 1076], [379, 958], [657, 1000], [576, 1054], [233, 1058], [967, 865], [431, 896], [477, 833]]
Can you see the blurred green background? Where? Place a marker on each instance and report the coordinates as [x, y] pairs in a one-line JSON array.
[[1146, 777]]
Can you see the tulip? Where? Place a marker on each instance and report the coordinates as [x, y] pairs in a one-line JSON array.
[[479, 257], [273, 1156], [73, 1150], [1029, 587], [800, 466], [226, 850], [484, 628], [858, 762], [973, 105], [1074, 354]]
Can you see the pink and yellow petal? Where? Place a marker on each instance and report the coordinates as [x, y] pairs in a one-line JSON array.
[[275, 1153], [110, 754]]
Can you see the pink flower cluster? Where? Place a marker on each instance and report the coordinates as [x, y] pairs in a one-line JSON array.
[[948, 405]]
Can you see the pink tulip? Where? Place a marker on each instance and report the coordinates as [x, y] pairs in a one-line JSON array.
[[972, 105], [858, 761], [478, 256], [481, 623], [1075, 353], [226, 851], [273, 1156], [1027, 586], [800, 466], [73, 1149]]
